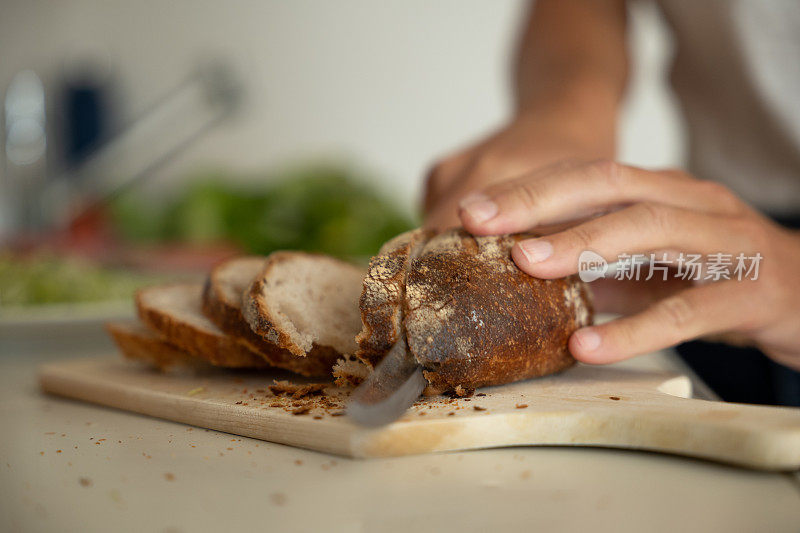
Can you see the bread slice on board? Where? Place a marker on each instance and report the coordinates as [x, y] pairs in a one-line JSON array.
[[175, 312], [301, 301], [222, 303], [383, 295], [139, 343]]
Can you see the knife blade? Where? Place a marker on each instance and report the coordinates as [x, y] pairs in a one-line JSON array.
[[389, 390]]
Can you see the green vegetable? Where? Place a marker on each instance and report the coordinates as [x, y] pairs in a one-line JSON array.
[[322, 209], [45, 279]]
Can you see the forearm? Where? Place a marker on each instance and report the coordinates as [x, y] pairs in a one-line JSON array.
[[573, 57], [570, 71]]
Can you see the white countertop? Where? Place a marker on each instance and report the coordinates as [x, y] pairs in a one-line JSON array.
[[125, 472]]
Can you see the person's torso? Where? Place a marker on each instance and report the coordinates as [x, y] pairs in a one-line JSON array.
[[736, 73]]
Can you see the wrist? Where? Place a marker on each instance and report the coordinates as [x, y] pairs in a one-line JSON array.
[[584, 111]]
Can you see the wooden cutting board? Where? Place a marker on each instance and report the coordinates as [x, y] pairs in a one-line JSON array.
[[584, 406]]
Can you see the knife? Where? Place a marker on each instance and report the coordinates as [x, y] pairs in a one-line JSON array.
[[389, 390]]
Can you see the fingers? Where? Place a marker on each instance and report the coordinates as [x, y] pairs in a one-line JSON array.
[[631, 296], [570, 190], [689, 314], [514, 205], [640, 228]]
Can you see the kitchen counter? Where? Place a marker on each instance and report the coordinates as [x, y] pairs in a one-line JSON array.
[[70, 466]]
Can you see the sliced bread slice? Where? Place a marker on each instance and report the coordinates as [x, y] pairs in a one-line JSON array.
[[222, 303], [175, 312], [383, 297], [300, 301], [139, 343], [382, 306]]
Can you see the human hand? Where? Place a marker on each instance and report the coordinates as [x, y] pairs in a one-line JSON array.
[[614, 209], [533, 139]]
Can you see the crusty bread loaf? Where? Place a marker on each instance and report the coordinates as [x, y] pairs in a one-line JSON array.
[[302, 302], [222, 303], [470, 316], [138, 343], [175, 312]]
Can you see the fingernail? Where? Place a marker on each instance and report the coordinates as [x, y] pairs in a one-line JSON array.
[[588, 339], [479, 207], [536, 250]]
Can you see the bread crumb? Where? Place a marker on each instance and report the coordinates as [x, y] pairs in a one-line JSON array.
[[85, 482], [301, 410], [284, 388], [461, 392], [169, 476], [521, 405], [478, 408]]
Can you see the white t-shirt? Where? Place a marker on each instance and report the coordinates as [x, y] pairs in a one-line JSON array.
[[736, 73]]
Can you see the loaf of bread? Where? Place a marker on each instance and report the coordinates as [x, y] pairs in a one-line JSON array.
[[470, 316]]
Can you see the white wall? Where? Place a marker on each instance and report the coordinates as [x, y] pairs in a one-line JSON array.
[[651, 132], [389, 84]]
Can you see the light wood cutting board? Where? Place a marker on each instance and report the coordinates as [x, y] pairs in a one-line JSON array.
[[584, 406]]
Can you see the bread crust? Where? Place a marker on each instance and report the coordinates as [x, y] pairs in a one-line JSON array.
[[227, 315], [383, 294], [138, 343], [218, 349]]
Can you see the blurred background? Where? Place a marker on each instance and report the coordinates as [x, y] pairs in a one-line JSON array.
[[150, 139]]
